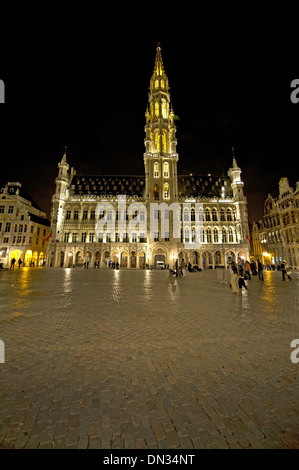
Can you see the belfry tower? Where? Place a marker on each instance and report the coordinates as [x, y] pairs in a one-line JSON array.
[[160, 157]]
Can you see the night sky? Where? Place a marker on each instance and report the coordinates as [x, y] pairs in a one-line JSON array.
[[227, 90]]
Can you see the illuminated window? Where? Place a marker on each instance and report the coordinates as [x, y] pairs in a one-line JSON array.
[[166, 191], [156, 83], [164, 142], [156, 108], [162, 84], [164, 109], [166, 170], [156, 170], [157, 141]]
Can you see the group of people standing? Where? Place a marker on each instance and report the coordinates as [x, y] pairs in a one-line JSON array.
[[241, 271]]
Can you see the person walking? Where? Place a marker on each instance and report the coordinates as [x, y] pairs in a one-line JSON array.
[[176, 267], [260, 269], [283, 270], [12, 264], [183, 267], [247, 270], [233, 275], [241, 274]]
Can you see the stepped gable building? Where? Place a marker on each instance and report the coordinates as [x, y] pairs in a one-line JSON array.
[[213, 222], [275, 238], [24, 227]]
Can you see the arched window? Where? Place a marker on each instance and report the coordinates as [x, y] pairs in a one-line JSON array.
[[156, 191], [216, 235], [201, 236], [193, 235], [162, 84], [157, 141], [222, 215], [214, 215], [229, 215], [224, 235], [186, 215], [230, 235], [164, 141], [166, 191], [192, 214], [208, 215], [164, 109], [156, 83], [209, 235], [156, 108], [156, 170], [166, 170], [186, 235]]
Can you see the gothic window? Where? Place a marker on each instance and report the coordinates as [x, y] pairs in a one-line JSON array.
[[209, 235], [156, 170], [157, 141], [164, 141], [186, 235], [224, 235], [216, 235], [156, 192], [193, 235], [162, 84], [156, 108], [156, 83], [201, 236], [166, 170], [214, 215], [192, 214], [186, 215], [208, 215], [164, 109], [222, 215], [229, 215], [230, 235], [166, 191]]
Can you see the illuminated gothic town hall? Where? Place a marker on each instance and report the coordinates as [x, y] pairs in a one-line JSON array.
[[213, 209]]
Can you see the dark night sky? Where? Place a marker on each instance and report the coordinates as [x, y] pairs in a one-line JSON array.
[[227, 89]]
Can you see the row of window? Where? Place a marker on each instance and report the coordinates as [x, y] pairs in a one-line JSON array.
[[20, 228], [202, 236], [9, 210], [21, 240], [208, 215]]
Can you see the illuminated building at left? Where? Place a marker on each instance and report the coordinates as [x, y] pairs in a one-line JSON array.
[[24, 228]]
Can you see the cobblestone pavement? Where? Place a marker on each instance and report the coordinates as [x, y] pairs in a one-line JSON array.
[[139, 360]]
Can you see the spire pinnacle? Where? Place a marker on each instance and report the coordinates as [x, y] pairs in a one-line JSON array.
[[234, 158], [64, 155]]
